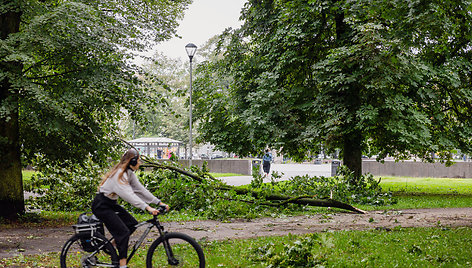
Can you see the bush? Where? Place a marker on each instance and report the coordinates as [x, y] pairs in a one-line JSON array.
[[68, 188], [73, 189], [343, 187]]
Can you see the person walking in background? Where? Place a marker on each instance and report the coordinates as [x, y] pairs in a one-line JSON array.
[[266, 160]]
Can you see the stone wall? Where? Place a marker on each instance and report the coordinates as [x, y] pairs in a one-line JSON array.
[[417, 169]]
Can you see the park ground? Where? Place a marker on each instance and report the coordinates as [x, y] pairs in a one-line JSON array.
[[36, 239], [14, 241], [26, 240]]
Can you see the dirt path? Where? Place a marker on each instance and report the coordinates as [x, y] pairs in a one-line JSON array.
[[40, 240]]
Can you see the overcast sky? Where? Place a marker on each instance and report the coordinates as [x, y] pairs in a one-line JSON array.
[[203, 19]]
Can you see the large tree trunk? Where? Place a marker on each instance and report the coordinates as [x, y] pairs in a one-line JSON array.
[[11, 184], [352, 137], [352, 153]]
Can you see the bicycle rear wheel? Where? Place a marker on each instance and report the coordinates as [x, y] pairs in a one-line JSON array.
[[74, 255], [175, 250]]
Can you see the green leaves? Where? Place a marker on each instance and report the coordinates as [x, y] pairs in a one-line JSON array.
[[308, 251], [304, 73], [69, 187], [76, 79]]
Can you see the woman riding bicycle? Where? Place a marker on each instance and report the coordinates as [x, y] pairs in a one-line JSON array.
[[121, 181]]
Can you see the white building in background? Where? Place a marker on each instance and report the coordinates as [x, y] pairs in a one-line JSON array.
[[207, 151], [159, 147]]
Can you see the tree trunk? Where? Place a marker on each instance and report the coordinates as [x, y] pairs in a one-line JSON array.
[[352, 153], [352, 138], [11, 184]]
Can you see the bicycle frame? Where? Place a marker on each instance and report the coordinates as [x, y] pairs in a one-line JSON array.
[[154, 222], [150, 224]]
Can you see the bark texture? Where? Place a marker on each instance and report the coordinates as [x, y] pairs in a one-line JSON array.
[[11, 184]]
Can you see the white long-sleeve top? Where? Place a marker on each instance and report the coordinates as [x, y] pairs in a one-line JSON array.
[[129, 189]]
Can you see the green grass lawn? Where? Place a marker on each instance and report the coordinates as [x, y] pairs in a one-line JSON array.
[[427, 185], [426, 193], [400, 247]]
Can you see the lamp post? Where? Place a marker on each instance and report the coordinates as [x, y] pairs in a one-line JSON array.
[[191, 49]]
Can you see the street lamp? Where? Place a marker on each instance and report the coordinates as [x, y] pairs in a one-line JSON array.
[[191, 49]]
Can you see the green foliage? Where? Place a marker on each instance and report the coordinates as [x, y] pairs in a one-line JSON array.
[[257, 177], [168, 80], [344, 187], [389, 78], [72, 188], [308, 251], [200, 198], [205, 199], [67, 78], [177, 190], [75, 78], [399, 247], [410, 194], [68, 188]]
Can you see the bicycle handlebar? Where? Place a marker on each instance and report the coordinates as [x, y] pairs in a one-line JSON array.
[[162, 209]]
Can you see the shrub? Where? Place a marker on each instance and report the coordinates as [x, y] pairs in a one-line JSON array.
[[73, 188], [68, 188], [343, 187]]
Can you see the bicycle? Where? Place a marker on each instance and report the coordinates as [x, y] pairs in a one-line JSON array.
[[180, 249]]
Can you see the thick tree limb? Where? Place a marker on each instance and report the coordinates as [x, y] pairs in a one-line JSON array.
[[280, 200], [273, 199], [176, 169]]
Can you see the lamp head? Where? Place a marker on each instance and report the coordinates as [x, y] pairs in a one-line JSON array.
[[191, 49]]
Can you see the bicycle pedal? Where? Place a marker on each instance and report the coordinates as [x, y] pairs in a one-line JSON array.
[[89, 261]]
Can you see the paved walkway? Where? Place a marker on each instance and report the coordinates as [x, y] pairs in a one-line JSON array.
[[288, 171], [35, 240]]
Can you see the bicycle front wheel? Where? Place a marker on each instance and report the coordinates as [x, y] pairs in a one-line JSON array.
[[175, 250], [103, 253]]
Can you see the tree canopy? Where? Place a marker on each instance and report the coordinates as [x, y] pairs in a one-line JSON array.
[[67, 75], [390, 78]]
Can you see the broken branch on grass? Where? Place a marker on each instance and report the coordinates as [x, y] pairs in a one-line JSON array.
[[273, 199]]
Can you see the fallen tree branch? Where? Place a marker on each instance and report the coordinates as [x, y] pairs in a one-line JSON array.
[[301, 200], [173, 168], [274, 199], [311, 202], [148, 162]]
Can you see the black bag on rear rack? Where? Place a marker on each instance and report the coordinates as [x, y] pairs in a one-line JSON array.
[[86, 226]]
